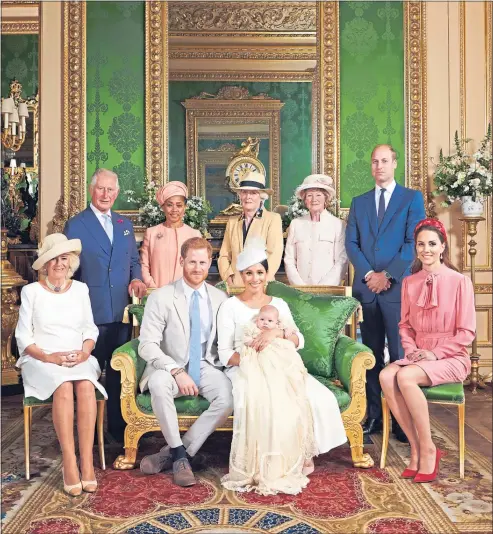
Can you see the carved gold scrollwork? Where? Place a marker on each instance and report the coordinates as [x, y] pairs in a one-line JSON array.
[[24, 26], [241, 16]]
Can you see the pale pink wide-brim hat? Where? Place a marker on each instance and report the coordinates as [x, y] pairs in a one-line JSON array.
[[171, 189], [253, 181], [54, 245], [317, 181]]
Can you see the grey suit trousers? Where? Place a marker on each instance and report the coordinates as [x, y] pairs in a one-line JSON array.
[[214, 386]]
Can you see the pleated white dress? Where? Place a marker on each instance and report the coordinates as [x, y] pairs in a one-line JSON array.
[[328, 429], [55, 323]]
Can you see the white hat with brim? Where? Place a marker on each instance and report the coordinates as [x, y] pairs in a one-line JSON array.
[[317, 181], [55, 245], [253, 253], [253, 181]]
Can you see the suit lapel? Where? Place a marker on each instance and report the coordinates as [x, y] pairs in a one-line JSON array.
[[394, 203], [213, 311], [372, 211], [182, 308], [239, 233], [95, 229], [118, 229]]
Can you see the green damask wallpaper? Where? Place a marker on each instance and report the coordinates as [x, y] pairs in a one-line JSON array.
[[296, 127], [20, 60], [372, 90], [115, 93]]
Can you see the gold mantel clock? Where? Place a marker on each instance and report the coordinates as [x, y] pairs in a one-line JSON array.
[[245, 160]]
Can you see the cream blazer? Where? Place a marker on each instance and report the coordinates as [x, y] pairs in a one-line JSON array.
[[268, 226], [315, 252], [165, 332]]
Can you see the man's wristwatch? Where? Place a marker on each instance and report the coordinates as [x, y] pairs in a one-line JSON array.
[[387, 275]]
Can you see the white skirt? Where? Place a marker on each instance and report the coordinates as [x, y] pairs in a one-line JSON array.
[[41, 379], [327, 421]]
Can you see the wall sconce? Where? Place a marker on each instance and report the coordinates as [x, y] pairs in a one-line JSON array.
[[14, 114]]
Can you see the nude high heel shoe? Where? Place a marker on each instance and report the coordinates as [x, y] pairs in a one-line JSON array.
[[73, 490], [89, 486]]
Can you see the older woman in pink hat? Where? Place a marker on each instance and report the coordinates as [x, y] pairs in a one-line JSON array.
[[160, 252], [315, 252]]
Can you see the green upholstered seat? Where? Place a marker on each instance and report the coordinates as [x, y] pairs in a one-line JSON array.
[[342, 396], [184, 405], [453, 392], [33, 401]]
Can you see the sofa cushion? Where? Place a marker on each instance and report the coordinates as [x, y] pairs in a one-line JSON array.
[[184, 405], [320, 319], [341, 395]]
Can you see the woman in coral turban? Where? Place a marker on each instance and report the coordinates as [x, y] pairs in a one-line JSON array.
[[160, 252]]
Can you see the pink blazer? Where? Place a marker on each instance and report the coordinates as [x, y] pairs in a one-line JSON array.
[[160, 254]]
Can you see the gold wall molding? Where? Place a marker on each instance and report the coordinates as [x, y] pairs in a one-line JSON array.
[[415, 98], [327, 91], [483, 289], [242, 16], [22, 26], [241, 52], [241, 76], [488, 6], [73, 198], [487, 341], [156, 83], [462, 63]]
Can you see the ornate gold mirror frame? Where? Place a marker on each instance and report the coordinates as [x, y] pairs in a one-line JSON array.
[[224, 109], [74, 198]]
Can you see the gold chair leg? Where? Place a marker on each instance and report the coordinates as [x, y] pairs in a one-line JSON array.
[[100, 430], [27, 435], [385, 432], [132, 437], [355, 435], [462, 437]]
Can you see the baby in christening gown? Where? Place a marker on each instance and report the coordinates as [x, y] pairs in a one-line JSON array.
[[273, 439]]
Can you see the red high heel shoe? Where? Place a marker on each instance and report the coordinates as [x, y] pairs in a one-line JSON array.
[[429, 477], [409, 473]]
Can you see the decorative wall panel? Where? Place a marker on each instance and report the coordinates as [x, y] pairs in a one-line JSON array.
[[20, 59]]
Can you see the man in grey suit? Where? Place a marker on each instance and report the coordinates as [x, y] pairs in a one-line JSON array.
[[179, 343]]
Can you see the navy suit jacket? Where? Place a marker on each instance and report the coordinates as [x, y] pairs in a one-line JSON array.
[[389, 247], [106, 269]]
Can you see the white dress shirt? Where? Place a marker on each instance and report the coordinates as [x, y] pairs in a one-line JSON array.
[[100, 216], [205, 312], [388, 193]]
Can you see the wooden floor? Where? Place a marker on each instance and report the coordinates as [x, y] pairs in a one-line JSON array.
[[479, 415]]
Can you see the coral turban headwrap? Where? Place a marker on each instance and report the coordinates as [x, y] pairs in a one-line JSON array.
[[171, 189]]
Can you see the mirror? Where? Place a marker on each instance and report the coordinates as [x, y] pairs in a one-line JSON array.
[[218, 128]]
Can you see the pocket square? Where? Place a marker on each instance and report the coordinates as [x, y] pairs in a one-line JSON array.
[[126, 232]]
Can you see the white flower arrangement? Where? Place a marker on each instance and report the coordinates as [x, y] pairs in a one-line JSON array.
[[150, 213], [463, 175]]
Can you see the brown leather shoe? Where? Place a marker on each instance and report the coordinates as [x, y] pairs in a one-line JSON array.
[[155, 463], [182, 473]]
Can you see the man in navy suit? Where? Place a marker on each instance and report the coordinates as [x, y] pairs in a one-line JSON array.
[[380, 245], [110, 266]]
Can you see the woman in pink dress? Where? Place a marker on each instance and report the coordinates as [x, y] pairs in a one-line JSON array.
[[160, 252], [438, 322]]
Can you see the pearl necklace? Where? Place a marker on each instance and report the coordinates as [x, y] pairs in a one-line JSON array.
[[54, 288]]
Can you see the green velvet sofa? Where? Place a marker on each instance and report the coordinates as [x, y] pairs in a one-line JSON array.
[[338, 361]]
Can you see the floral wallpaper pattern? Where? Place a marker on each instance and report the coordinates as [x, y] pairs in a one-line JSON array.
[[20, 60]]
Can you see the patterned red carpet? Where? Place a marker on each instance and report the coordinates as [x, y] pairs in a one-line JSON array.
[[339, 497]]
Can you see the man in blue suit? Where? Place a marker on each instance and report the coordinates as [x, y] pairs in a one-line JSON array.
[[380, 245], [110, 266]]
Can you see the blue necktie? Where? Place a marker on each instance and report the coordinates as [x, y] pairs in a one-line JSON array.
[[108, 226], [381, 206], [195, 351]]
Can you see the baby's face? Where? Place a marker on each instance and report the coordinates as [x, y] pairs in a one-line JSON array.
[[267, 320]]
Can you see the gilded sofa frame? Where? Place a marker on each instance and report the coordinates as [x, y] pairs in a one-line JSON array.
[[139, 423]]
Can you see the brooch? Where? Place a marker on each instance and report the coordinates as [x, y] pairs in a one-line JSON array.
[[120, 221], [126, 232], [159, 236]]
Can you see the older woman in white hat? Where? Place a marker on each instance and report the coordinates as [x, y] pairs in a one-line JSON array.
[[55, 337], [315, 252], [251, 442], [255, 221], [160, 251]]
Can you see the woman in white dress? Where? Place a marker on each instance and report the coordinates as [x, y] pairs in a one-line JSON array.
[[257, 436], [315, 253], [55, 337]]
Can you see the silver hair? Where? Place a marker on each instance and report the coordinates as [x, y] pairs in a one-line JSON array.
[[73, 265], [99, 172]]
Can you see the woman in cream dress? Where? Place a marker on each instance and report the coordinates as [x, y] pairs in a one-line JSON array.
[[160, 251], [265, 461], [315, 252], [55, 336]]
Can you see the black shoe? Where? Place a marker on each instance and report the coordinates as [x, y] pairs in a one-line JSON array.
[[197, 462], [372, 425], [399, 433]]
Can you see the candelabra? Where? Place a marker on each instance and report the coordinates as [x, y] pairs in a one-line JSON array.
[[471, 226], [14, 113]]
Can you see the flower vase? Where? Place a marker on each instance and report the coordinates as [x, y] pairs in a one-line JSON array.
[[472, 208]]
